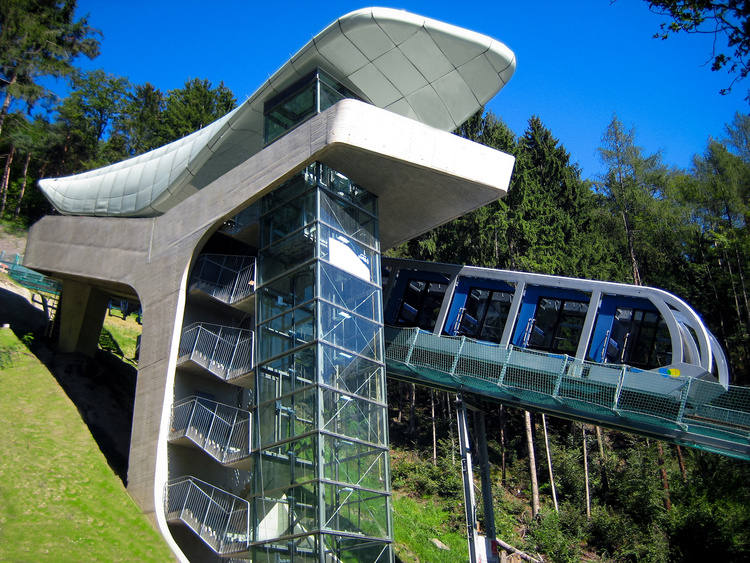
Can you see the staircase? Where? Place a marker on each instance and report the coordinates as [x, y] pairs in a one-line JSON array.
[[219, 518], [220, 430]]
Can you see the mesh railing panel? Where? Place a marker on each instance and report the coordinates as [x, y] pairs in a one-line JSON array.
[[701, 412], [227, 278], [220, 430], [220, 519], [224, 351]]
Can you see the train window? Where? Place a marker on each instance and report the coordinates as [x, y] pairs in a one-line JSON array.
[[639, 338], [558, 324], [485, 314], [421, 304]]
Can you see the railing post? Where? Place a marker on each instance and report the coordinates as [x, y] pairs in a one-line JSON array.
[[216, 345], [455, 359], [229, 437], [211, 425], [412, 346], [509, 353], [556, 390], [234, 353], [620, 383], [192, 414], [683, 401]]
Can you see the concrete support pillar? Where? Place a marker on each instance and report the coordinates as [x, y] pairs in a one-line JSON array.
[[82, 309]]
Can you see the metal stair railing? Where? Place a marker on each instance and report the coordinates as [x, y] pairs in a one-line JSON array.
[[228, 278], [220, 430], [688, 410], [227, 352], [219, 518]]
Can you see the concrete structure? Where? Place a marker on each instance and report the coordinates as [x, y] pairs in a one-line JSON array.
[[283, 360]]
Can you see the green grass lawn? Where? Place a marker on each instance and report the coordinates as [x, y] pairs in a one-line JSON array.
[[415, 523], [119, 337], [59, 500]]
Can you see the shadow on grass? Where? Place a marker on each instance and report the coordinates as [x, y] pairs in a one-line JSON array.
[[101, 388]]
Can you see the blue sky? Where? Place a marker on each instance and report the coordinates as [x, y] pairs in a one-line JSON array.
[[578, 62]]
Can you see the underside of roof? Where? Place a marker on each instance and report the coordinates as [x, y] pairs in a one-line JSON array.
[[423, 69]]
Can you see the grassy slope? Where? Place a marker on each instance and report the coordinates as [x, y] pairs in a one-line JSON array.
[[59, 500]]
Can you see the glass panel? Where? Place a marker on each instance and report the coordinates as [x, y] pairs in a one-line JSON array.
[[354, 463], [361, 550], [421, 304], [283, 333], [348, 219], [286, 292], [299, 183], [342, 329], [291, 112], [286, 464], [350, 292], [287, 417], [300, 550], [344, 188], [286, 254], [287, 218], [476, 305], [286, 374], [569, 327], [348, 255], [496, 316], [639, 338], [286, 512], [557, 325], [328, 96], [356, 511], [353, 374], [355, 418]]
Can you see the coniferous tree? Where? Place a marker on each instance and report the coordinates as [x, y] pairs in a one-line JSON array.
[[38, 39]]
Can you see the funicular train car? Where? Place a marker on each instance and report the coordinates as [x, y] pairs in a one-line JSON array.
[[597, 322]]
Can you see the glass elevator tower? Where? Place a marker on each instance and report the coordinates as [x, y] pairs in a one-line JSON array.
[[321, 487]]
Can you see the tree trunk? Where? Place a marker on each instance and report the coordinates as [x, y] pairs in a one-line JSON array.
[[532, 467], [6, 101], [602, 464], [502, 444], [549, 463], [6, 180], [23, 186], [434, 431], [586, 473], [682, 464], [664, 480], [412, 420]]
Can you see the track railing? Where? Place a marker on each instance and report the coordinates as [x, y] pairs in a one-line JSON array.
[[228, 278], [684, 409], [226, 352], [220, 430], [220, 519]]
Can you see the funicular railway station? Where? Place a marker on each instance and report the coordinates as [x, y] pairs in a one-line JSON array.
[[270, 321]]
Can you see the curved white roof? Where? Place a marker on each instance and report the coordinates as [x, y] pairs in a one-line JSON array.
[[420, 68]]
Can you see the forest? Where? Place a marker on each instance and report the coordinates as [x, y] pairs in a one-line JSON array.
[[605, 496]]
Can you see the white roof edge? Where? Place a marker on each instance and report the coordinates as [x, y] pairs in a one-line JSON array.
[[421, 68]]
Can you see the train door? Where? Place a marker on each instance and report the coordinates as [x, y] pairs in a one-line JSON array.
[[636, 334], [416, 299], [480, 309], [557, 325]]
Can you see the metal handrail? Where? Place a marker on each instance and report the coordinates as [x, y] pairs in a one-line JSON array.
[[227, 352], [219, 518], [691, 409], [228, 278], [220, 430]]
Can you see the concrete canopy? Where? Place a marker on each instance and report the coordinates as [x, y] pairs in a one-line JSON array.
[[420, 68]]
